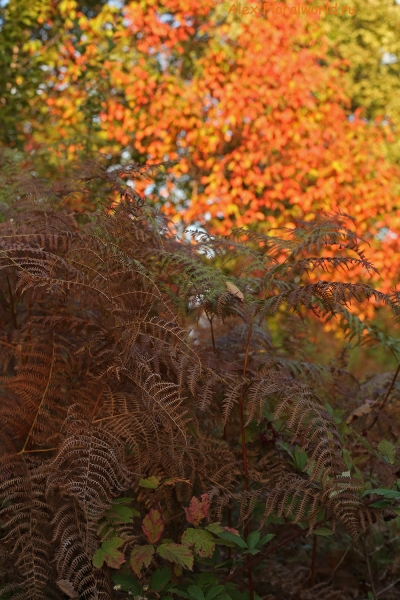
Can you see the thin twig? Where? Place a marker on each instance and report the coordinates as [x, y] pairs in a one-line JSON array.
[[371, 579], [386, 398], [340, 561], [388, 587]]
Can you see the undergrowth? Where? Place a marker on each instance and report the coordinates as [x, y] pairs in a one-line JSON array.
[[155, 441]]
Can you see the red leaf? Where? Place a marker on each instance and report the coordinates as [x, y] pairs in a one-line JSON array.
[[197, 510], [153, 526], [141, 556]]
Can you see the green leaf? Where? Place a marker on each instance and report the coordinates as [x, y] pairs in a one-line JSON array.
[[231, 537], [215, 528], [124, 513], [141, 556], [206, 579], [300, 458], [392, 494], [127, 583], [323, 531], [214, 591], [195, 592], [380, 504], [151, 483], [160, 578], [177, 553], [387, 450], [202, 541], [122, 500], [109, 553], [267, 538], [253, 539], [180, 593], [153, 526], [286, 447]]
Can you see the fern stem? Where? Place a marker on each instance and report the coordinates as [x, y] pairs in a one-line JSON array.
[[98, 400], [244, 458], [12, 304], [247, 348], [212, 332], [386, 398], [40, 403]]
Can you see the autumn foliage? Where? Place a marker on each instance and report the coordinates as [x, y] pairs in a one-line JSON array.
[[253, 109], [157, 438]]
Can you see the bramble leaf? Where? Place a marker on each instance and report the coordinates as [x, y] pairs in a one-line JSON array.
[[151, 483], [202, 541], [197, 510], [264, 540], [160, 578], [177, 553], [109, 553], [324, 531], [393, 494], [141, 556], [153, 526], [195, 592], [253, 539], [231, 537], [214, 591], [387, 450]]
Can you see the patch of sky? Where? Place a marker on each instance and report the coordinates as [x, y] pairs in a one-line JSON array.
[[149, 189], [385, 234], [388, 58]]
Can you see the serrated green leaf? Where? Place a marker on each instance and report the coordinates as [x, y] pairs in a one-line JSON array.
[[160, 578], [202, 541], [141, 557], [109, 553], [214, 528], [253, 539], [264, 540], [124, 513], [205, 579], [98, 558], [231, 537], [387, 450], [214, 592], [392, 494], [195, 592], [180, 593], [380, 504], [151, 483], [324, 531], [300, 458], [122, 500], [177, 553]]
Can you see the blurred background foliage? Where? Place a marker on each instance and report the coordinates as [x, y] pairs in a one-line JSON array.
[[269, 118]]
